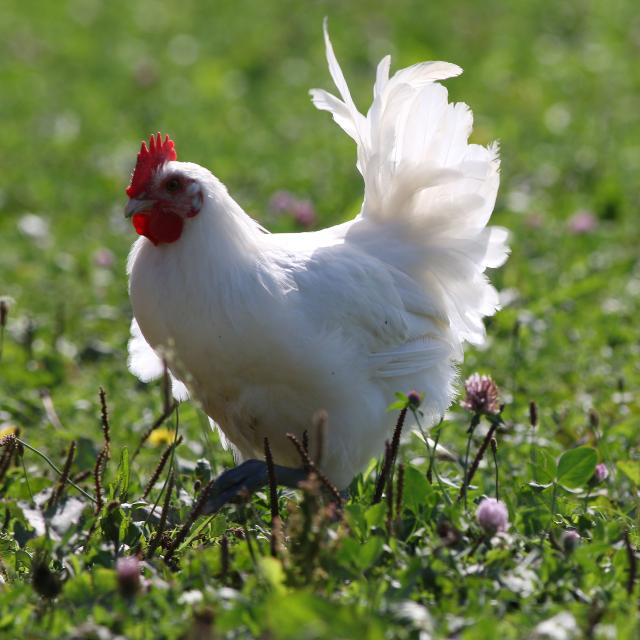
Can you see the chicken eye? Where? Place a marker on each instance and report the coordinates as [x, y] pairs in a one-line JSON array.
[[172, 185]]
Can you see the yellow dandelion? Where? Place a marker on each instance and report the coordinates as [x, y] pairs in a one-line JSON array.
[[161, 436], [7, 430]]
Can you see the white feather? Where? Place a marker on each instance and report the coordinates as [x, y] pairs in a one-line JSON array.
[[268, 329], [147, 365]]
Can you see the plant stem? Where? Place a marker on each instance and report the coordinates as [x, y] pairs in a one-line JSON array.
[[192, 517], [273, 494], [476, 461], [166, 481], [432, 455], [399, 492], [155, 539], [53, 466], [165, 414], [586, 500], [310, 466], [554, 496], [494, 451], [533, 421], [633, 563], [475, 421], [435, 450], [26, 479], [384, 472], [390, 455]]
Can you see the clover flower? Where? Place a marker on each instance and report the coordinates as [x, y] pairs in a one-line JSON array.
[[282, 202], [492, 515], [103, 258], [481, 395], [302, 211], [582, 222], [600, 474]]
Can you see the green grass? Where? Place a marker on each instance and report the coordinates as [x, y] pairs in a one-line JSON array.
[[557, 83]]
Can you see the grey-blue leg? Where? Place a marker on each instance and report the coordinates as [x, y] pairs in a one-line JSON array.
[[248, 476]]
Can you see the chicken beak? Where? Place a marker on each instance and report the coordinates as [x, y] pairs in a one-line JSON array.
[[136, 206]]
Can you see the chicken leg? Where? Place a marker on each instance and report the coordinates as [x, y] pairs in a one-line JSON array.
[[248, 476]]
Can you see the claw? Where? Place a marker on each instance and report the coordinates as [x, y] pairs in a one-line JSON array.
[[249, 476]]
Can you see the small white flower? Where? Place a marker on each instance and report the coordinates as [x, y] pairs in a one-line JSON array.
[[191, 597], [562, 626], [33, 226]]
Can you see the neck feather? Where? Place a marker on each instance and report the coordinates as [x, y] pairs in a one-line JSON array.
[[222, 226]]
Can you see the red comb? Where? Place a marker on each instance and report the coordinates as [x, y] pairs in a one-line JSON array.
[[159, 152]]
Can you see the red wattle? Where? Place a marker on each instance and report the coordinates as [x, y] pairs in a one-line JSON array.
[[159, 226]]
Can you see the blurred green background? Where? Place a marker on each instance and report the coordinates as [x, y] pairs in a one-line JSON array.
[[557, 83], [83, 81]]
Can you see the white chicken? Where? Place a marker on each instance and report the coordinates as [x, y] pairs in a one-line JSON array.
[[266, 329]]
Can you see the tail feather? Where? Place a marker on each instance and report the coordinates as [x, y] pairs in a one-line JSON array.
[[349, 115], [428, 193]]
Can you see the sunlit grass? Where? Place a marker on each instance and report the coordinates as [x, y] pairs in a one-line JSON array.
[[82, 83]]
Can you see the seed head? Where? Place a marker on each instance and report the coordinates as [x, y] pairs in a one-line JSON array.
[[448, 533], [570, 540], [492, 515], [4, 310], [414, 399], [128, 574], [533, 414], [44, 581], [481, 395], [7, 436]]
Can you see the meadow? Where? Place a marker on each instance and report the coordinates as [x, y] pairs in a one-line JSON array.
[[82, 82]]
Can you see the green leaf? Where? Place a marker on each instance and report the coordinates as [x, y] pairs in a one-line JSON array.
[[124, 524], [576, 467], [104, 581], [218, 525], [123, 475], [630, 469], [361, 555], [376, 515], [540, 487], [543, 467], [417, 490], [273, 572], [354, 516], [402, 402], [78, 588]]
